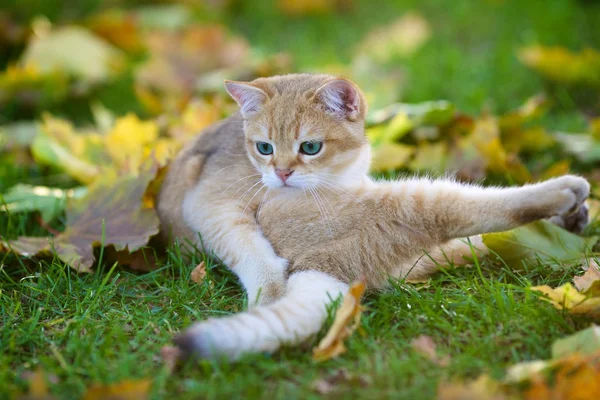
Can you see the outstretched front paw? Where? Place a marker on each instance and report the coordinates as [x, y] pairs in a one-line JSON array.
[[270, 285], [570, 193]]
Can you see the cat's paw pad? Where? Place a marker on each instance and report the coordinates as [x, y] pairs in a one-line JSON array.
[[574, 222]]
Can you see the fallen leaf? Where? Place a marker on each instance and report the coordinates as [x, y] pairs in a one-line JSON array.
[[119, 28], [402, 37], [199, 273], [566, 297], [583, 342], [589, 282], [126, 390], [112, 213], [482, 388], [540, 240], [391, 156], [75, 50], [309, 7], [425, 346], [582, 146], [336, 379], [48, 201], [347, 319], [562, 65]]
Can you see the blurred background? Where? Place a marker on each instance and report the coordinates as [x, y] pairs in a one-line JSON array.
[[497, 89]]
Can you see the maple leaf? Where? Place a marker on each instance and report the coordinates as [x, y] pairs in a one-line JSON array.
[[347, 319], [112, 213]]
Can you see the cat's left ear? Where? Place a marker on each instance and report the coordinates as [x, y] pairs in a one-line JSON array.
[[249, 97], [341, 98]]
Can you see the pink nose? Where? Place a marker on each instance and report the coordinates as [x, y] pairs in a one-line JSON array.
[[283, 173]]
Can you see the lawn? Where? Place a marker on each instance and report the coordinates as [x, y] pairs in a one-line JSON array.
[[109, 326]]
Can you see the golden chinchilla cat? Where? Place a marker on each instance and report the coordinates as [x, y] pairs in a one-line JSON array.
[[281, 193]]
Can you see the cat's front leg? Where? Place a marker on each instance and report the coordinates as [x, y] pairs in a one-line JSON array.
[[452, 210], [233, 235], [501, 209]]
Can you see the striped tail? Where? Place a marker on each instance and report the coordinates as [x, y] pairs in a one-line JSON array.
[[297, 316]]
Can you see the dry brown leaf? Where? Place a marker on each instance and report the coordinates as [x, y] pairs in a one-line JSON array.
[[198, 273], [347, 319], [426, 346], [341, 376], [590, 281], [126, 390], [111, 213]]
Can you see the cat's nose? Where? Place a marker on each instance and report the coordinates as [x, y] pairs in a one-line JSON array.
[[283, 173]]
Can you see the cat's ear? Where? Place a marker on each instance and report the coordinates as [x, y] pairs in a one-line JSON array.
[[249, 97], [340, 98]]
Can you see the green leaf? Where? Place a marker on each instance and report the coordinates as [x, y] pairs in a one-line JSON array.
[[48, 201], [581, 145], [540, 240], [586, 341], [434, 113]]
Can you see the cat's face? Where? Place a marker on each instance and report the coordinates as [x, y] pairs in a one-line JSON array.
[[304, 134]]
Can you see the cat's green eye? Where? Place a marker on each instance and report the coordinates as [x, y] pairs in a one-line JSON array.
[[264, 148], [310, 148]]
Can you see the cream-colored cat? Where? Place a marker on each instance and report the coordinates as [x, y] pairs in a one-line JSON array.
[[287, 179]]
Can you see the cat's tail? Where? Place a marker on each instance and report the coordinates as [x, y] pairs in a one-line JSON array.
[[298, 315]]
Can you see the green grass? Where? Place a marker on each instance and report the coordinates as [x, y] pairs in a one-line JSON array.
[[109, 326]]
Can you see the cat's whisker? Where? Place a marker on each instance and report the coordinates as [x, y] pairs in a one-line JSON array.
[[241, 179], [252, 198], [229, 166], [261, 204], [322, 211], [249, 189], [330, 214]]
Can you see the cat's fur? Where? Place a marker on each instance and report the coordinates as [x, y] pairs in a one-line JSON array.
[[335, 224]]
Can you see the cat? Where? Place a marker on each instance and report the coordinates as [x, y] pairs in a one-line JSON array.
[[283, 188]]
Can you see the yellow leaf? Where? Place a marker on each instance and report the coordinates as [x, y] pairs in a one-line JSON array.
[[126, 142], [126, 390], [482, 388], [562, 65], [304, 7], [391, 156], [199, 273], [402, 37], [347, 319], [566, 297], [559, 168], [430, 156]]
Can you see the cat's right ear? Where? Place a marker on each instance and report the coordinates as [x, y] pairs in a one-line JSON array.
[[249, 97]]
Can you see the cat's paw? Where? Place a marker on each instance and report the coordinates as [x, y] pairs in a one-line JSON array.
[[574, 222], [270, 285], [566, 196]]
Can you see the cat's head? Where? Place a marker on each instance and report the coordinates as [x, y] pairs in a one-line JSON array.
[[304, 131]]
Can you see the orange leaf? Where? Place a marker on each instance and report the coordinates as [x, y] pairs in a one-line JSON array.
[[347, 319], [198, 273]]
